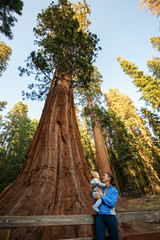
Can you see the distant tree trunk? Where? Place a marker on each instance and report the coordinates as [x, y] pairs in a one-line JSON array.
[[55, 178], [101, 151]]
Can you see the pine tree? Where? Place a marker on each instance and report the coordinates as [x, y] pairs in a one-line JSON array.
[[124, 158], [123, 107], [17, 132], [148, 85]]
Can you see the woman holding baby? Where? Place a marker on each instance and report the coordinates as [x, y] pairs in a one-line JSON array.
[[106, 217]]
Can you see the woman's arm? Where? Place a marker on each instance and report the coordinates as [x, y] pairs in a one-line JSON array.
[[112, 200]]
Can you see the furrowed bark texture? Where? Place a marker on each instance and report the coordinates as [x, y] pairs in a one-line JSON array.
[[55, 178], [101, 151]]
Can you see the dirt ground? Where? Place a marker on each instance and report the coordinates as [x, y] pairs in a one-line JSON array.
[[150, 202], [127, 203]]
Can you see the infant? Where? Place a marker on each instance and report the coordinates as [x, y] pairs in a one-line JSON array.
[[95, 183]]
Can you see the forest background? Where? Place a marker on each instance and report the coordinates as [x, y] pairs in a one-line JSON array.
[[132, 144]]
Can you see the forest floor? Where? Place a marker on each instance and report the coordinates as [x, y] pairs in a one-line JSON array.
[[149, 202]]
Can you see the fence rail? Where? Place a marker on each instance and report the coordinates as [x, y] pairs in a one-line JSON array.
[[7, 222], [28, 221]]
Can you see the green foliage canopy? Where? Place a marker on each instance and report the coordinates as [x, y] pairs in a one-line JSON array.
[[91, 94], [5, 52], [63, 47], [148, 85], [124, 157], [154, 64], [82, 9], [152, 5], [154, 122], [16, 133], [148, 153], [7, 19], [2, 106]]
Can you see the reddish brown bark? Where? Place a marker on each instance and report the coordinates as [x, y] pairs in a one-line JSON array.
[[101, 151], [55, 178]]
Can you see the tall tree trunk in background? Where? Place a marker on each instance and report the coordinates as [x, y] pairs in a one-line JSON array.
[[55, 178], [101, 151]]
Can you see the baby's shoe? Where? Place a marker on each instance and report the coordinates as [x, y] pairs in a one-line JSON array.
[[95, 209]]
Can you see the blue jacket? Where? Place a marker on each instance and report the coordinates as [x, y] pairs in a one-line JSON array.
[[109, 201]]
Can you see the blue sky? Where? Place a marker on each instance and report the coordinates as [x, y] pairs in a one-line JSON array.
[[123, 31]]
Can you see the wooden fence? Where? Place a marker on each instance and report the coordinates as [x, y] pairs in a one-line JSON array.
[[7, 222]]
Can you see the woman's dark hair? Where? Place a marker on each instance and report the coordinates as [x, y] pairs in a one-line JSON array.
[[111, 177]]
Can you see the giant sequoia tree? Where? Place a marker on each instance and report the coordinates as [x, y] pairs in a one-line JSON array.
[[55, 178]]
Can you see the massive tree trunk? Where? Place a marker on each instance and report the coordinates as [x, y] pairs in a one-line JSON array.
[[101, 151], [55, 178]]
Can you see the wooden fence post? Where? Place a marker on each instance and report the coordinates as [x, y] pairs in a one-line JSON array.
[[5, 233]]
